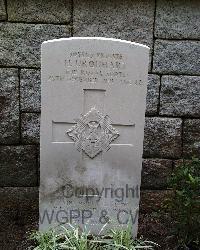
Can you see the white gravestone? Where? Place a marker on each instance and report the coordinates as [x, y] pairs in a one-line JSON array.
[[92, 129]]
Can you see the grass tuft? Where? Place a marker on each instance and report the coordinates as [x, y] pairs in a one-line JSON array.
[[76, 239]]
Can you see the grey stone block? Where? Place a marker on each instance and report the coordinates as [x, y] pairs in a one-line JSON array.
[[30, 90], [130, 19], [180, 96], [163, 137], [178, 19], [18, 166], [181, 57], [155, 173], [9, 106], [46, 11], [20, 43], [152, 201], [2, 10], [157, 226], [18, 216], [191, 138], [30, 127], [152, 94]]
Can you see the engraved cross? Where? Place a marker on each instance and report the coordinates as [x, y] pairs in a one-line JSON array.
[[93, 132]]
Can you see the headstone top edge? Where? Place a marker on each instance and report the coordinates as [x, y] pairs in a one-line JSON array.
[[96, 38]]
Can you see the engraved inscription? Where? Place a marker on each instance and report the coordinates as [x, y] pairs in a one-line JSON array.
[[93, 133], [108, 68]]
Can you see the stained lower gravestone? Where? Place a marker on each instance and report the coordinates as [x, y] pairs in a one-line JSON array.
[[92, 129]]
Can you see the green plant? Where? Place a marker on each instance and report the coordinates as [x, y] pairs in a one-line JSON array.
[[77, 239], [122, 239], [185, 203], [48, 240], [74, 239]]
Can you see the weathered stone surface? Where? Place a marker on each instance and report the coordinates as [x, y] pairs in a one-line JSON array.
[[191, 138], [18, 166], [180, 96], [18, 216], [20, 43], [46, 11], [105, 153], [152, 201], [30, 127], [129, 19], [155, 173], [181, 57], [152, 94], [9, 106], [2, 10], [157, 227], [30, 90], [162, 137], [177, 19]]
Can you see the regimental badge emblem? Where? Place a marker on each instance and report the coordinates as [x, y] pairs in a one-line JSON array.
[[93, 133]]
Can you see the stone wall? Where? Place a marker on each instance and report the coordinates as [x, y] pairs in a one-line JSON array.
[[172, 30]]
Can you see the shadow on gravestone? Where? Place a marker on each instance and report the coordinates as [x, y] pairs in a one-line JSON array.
[[92, 129]]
